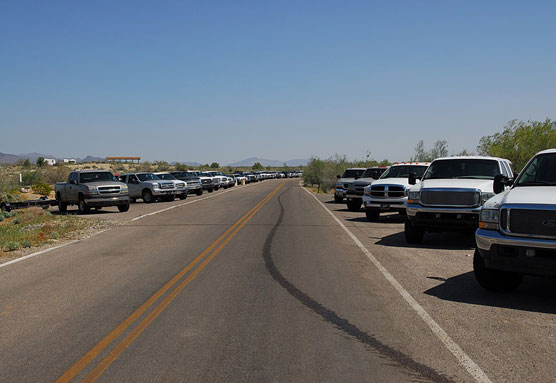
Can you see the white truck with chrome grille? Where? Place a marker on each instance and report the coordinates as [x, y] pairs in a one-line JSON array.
[[389, 192], [450, 194], [517, 228]]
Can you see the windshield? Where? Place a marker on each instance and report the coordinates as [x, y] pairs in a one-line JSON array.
[[147, 177], [463, 168], [352, 173], [166, 176], [403, 171], [95, 177], [541, 171], [373, 173]]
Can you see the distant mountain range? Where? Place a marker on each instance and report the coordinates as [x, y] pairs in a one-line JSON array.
[[13, 158], [6, 158], [267, 162]]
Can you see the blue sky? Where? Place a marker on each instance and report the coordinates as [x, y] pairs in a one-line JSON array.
[[225, 80]]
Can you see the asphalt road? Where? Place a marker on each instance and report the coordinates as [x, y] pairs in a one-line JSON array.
[[261, 283]]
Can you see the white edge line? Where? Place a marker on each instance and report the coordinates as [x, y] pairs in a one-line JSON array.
[[102, 231], [472, 368]]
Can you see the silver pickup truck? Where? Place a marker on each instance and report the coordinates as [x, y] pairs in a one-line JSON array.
[[91, 189], [148, 187]]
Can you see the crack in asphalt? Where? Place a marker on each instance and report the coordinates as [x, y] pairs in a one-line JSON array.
[[339, 322]]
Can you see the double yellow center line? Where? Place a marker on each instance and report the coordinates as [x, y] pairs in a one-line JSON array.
[[204, 259]]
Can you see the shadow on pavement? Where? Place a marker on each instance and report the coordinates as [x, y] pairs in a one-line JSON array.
[[534, 294], [440, 241], [388, 219]]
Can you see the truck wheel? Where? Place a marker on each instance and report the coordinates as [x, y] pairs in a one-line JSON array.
[[413, 234], [147, 196], [372, 214], [62, 206], [209, 190], [354, 205], [338, 199], [82, 207], [200, 192], [169, 198], [183, 196], [123, 208], [494, 280], [216, 187]]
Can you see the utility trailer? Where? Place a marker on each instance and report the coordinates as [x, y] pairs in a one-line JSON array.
[[43, 202]]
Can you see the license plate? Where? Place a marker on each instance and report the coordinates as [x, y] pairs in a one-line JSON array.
[[385, 206]]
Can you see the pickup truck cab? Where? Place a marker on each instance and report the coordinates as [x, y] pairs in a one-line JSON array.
[[354, 193], [148, 187], [91, 189], [389, 192], [181, 186], [517, 227], [344, 181], [450, 194]]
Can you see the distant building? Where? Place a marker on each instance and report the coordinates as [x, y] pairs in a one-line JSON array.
[[70, 161], [123, 159], [50, 161]]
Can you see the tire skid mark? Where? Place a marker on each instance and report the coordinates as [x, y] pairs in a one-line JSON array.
[[340, 323]]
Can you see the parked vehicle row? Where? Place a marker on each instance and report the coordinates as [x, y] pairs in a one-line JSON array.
[[513, 217], [95, 189]]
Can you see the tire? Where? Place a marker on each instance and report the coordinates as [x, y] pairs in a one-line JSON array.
[[169, 198], [200, 192], [147, 196], [354, 205], [123, 208], [82, 207], [338, 199], [413, 234], [183, 196], [372, 214], [210, 190], [216, 187], [62, 206], [494, 280]]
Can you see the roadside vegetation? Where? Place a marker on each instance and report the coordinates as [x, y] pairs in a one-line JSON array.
[[518, 142], [34, 227]]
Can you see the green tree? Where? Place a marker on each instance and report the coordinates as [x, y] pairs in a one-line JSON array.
[[180, 167], [257, 166], [40, 162], [26, 163], [162, 166], [519, 141], [215, 165]]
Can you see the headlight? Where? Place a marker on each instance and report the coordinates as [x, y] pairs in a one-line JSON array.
[[489, 219], [413, 196], [124, 189], [367, 191], [93, 190], [486, 196], [157, 185], [339, 185]]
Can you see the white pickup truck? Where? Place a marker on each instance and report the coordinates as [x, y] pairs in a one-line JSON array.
[[389, 192], [450, 194], [517, 228]]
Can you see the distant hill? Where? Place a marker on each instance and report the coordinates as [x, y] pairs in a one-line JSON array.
[[13, 158], [266, 162]]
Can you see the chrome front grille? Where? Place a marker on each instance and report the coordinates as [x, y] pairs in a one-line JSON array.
[[451, 197], [388, 191], [108, 189], [166, 185]]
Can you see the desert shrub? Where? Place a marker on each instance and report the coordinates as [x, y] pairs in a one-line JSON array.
[[42, 189], [12, 246], [26, 244]]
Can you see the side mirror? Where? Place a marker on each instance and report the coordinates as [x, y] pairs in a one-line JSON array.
[[412, 179], [73, 182], [338, 176], [500, 181]]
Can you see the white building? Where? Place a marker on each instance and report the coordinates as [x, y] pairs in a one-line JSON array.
[[69, 161], [50, 161]]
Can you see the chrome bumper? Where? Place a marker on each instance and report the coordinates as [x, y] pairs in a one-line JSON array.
[[412, 209], [486, 238]]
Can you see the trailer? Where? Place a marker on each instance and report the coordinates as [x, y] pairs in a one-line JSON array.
[[42, 202]]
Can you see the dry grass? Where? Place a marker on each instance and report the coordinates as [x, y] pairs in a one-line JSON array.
[[34, 227]]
